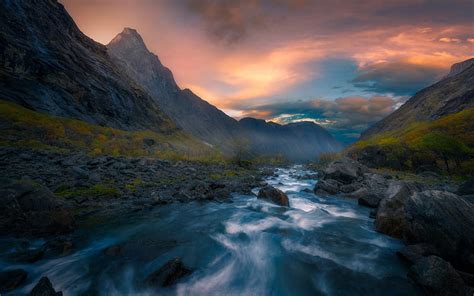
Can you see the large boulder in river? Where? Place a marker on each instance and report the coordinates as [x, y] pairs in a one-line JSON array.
[[327, 187], [29, 208], [44, 288], [345, 171], [274, 195], [444, 220], [168, 274], [437, 277], [439, 218]]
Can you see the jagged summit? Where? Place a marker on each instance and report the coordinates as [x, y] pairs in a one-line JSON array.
[[460, 67], [131, 37]]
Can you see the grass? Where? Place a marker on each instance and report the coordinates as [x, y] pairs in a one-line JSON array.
[[446, 143], [22, 127]]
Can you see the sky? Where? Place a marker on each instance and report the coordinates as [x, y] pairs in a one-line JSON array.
[[344, 64]]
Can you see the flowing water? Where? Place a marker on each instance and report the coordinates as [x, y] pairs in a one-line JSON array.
[[318, 246]]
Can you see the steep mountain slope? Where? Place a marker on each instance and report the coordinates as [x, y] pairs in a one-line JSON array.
[[187, 110], [296, 141], [47, 64], [450, 95]]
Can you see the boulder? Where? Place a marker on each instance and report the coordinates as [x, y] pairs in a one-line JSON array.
[[412, 253], [274, 195], [168, 274], [369, 200], [327, 187], [29, 208], [12, 279], [444, 220], [437, 277], [344, 170], [391, 218], [44, 288]]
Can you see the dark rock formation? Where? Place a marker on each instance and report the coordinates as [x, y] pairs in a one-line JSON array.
[[171, 272], [369, 200], [345, 171], [47, 64], [274, 195], [466, 188], [437, 277], [44, 288], [29, 208], [450, 95], [12, 279], [413, 253]]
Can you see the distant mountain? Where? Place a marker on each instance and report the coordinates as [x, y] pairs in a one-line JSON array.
[[299, 141], [452, 94], [186, 109], [296, 141], [47, 64]]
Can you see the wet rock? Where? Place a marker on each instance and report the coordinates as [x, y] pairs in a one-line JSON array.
[[274, 195], [437, 277], [59, 246], [168, 274], [391, 218], [345, 171], [444, 220], [29, 208], [327, 187], [44, 288], [412, 253], [12, 279], [369, 200]]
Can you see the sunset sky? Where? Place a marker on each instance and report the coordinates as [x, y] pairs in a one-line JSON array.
[[342, 64]]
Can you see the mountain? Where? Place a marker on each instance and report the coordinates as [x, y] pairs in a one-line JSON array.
[[186, 109], [47, 64], [296, 141], [299, 141], [452, 94]]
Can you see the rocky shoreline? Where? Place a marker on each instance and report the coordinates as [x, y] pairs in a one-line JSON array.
[[435, 221]]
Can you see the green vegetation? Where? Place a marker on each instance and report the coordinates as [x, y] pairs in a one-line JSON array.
[[22, 127], [98, 190], [445, 144]]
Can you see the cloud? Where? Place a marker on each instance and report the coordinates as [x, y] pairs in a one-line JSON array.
[[399, 78], [449, 40]]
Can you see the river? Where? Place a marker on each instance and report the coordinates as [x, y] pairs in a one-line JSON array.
[[318, 246]]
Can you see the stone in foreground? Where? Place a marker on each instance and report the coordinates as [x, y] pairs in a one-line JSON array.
[[168, 274], [44, 288], [274, 195], [12, 279]]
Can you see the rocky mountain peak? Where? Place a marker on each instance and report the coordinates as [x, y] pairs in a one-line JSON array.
[[460, 67], [129, 38]]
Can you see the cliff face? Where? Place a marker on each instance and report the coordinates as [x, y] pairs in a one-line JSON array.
[[186, 109], [47, 64], [450, 95]]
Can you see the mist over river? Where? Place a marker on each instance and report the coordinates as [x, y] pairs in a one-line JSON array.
[[318, 246]]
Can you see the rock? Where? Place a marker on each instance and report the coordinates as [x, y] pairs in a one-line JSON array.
[[444, 220], [437, 277], [80, 172], [345, 170], [468, 278], [12, 279], [466, 188], [44, 288], [391, 218], [149, 142], [412, 253], [168, 274], [369, 200], [29, 208], [274, 195], [327, 187]]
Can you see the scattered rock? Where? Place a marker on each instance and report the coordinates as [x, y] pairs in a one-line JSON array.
[[32, 208], [327, 187], [44, 288], [12, 279], [437, 277], [345, 170], [168, 274], [274, 195]]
